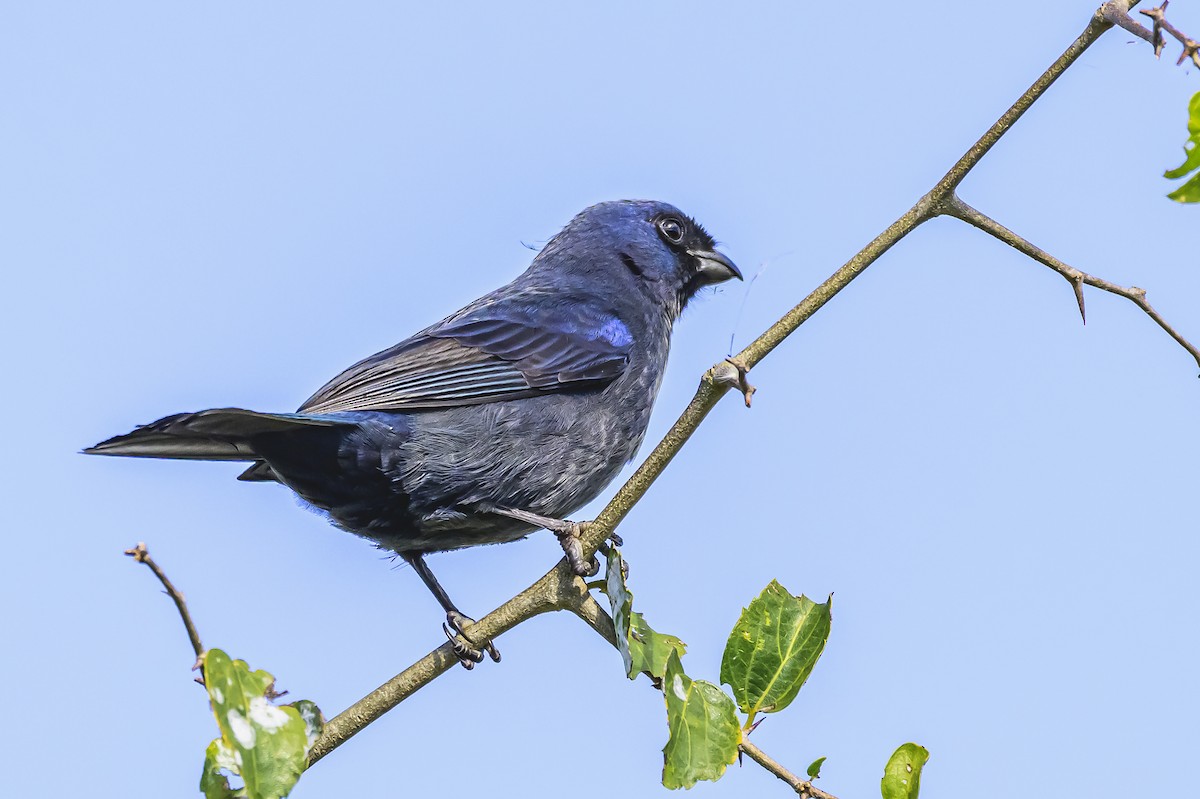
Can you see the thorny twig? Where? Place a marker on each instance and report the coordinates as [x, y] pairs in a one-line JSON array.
[[953, 206], [1191, 48], [1117, 13]]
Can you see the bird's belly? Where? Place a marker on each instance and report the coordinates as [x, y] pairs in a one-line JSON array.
[[546, 455]]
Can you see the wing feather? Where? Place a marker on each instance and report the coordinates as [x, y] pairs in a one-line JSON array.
[[496, 350]]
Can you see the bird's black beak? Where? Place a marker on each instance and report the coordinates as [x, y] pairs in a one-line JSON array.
[[714, 267]]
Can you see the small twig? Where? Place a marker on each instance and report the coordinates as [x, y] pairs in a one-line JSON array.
[[1117, 13], [1191, 48], [142, 555], [802, 788], [953, 206], [736, 378]]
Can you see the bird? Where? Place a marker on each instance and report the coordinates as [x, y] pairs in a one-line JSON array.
[[506, 416]]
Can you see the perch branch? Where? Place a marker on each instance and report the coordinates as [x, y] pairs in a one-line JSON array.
[[558, 589], [142, 555]]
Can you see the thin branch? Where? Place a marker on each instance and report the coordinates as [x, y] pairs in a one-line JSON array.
[[802, 787], [596, 617], [142, 555], [955, 207], [1191, 48], [558, 589], [1118, 14]]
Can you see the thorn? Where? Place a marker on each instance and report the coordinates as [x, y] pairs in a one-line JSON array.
[[1077, 285], [754, 726]]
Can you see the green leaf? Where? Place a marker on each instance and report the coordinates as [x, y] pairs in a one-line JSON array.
[[642, 648], [704, 731], [814, 768], [263, 743], [314, 721], [620, 599], [213, 783], [1189, 192], [902, 774], [650, 650], [773, 649]]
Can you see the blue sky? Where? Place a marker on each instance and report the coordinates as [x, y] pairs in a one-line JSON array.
[[225, 204]]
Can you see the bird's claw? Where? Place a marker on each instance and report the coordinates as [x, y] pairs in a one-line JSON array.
[[569, 539], [455, 630]]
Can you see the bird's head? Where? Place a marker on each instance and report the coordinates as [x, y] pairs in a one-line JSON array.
[[651, 248]]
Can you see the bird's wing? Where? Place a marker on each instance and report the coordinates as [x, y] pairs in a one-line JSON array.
[[498, 349]]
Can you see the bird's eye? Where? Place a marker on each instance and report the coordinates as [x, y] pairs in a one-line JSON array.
[[672, 228]]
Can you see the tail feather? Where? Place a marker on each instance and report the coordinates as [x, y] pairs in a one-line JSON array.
[[260, 472], [219, 434]]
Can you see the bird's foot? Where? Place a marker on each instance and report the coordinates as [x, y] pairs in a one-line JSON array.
[[456, 627], [569, 539], [568, 534]]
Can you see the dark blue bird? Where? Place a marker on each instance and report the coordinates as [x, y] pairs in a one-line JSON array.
[[508, 415]]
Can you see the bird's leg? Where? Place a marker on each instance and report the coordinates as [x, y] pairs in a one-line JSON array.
[[567, 532], [458, 621]]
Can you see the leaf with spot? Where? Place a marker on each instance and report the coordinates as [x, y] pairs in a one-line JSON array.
[[219, 761], [704, 731], [620, 599], [773, 649], [902, 774], [651, 650], [643, 649], [314, 721], [814, 768], [1189, 192], [263, 743]]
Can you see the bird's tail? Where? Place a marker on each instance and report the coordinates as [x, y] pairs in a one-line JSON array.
[[219, 434]]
